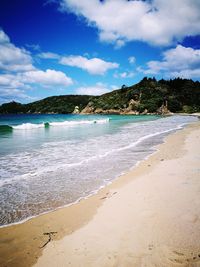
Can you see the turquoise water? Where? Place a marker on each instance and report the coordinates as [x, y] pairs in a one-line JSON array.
[[48, 161], [31, 131]]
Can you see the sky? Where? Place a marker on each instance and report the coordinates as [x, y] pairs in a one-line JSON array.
[[60, 47]]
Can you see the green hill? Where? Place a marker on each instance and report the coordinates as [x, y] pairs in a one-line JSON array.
[[58, 104], [148, 96]]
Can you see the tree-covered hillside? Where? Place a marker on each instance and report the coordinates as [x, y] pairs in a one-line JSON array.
[[53, 104], [148, 96], [179, 95], [58, 104]]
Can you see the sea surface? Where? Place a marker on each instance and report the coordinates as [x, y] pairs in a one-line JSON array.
[[49, 161]]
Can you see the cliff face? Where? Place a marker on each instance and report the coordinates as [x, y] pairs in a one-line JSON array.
[[163, 110], [131, 109], [88, 109], [147, 97]]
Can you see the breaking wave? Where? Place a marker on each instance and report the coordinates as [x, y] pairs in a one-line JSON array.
[[30, 126]]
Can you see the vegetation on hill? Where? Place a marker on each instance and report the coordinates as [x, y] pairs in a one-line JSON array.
[[12, 107], [148, 96], [58, 104], [178, 95], [54, 104]]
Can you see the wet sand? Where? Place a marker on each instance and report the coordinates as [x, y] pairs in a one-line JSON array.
[[148, 217]]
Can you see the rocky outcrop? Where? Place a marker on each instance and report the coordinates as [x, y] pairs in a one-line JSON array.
[[89, 109], [76, 110], [131, 112], [132, 108], [108, 111], [163, 110], [145, 112], [132, 105]]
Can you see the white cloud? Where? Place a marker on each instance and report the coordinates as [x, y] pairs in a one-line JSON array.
[[158, 22], [93, 65], [125, 74], [7, 95], [132, 60], [47, 78], [3, 37], [49, 55], [16, 86], [19, 74], [180, 61], [11, 88], [119, 43], [97, 89], [187, 73], [10, 81], [13, 58], [23, 80]]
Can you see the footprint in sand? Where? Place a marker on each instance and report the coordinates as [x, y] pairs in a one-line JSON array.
[[166, 257], [108, 195], [183, 258]]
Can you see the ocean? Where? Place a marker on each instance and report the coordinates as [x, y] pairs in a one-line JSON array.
[[50, 161]]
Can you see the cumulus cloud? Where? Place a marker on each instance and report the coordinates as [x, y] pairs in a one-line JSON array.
[[97, 89], [19, 74], [93, 65], [3, 37], [157, 22], [12, 88], [7, 95], [187, 73], [13, 58], [47, 78], [16, 86], [10, 81], [180, 61], [24, 80]]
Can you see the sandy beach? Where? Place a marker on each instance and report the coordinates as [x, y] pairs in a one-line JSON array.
[[99, 133], [148, 217]]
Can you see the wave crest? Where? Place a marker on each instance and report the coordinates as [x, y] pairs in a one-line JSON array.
[[30, 126]]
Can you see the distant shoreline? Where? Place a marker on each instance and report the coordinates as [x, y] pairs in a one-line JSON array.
[[149, 96]]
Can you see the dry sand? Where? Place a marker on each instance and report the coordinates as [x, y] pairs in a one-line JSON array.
[[148, 217], [154, 220]]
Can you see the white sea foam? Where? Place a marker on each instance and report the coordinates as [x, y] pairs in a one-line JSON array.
[[86, 160], [30, 126], [81, 122]]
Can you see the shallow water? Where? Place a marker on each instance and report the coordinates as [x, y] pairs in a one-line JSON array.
[[48, 161]]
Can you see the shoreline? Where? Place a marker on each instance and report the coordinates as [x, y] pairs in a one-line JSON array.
[[23, 241], [155, 148]]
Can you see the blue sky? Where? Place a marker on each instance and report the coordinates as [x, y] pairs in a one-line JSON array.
[[54, 47]]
